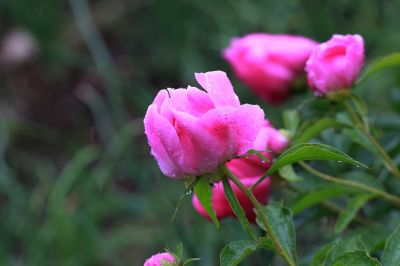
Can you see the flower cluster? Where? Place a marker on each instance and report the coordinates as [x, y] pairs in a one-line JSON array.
[[269, 64], [193, 132]]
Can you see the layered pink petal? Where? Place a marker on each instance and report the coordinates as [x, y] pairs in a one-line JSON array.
[[202, 154], [247, 121], [219, 88], [199, 100], [235, 129], [164, 143], [250, 167]]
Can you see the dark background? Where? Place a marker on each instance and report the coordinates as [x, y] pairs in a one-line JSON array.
[[77, 183]]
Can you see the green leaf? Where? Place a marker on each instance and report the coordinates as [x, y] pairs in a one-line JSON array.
[[280, 221], [188, 261], [267, 243], [350, 212], [76, 167], [356, 258], [308, 151], [288, 174], [373, 236], [315, 128], [204, 194], [291, 121], [237, 209], [378, 65], [321, 255], [344, 245], [233, 253], [391, 252], [315, 197]]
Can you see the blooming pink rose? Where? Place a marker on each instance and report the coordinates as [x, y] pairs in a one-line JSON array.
[[159, 259], [269, 63], [191, 132], [335, 64]]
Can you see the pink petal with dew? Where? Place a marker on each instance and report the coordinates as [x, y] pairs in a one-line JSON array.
[[250, 167], [201, 150], [246, 123], [218, 87], [234, 128], [164, 143], [199, 101]]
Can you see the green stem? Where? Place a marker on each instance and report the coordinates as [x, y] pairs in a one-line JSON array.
[[382, 194], [387, 161], [258, 207]]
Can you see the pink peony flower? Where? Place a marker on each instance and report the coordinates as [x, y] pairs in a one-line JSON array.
[[269, 63], [159, 259], [335, 64], [191, 132], [248, 170]]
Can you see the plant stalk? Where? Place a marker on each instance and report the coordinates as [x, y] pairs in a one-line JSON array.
[[258, 207], [382, 194], [387, 161]]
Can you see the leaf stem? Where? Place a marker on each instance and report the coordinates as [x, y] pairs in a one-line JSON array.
[[387, 161], [382, 194], [260, 213]]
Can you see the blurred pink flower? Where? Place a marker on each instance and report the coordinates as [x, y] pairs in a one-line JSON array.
[[335, 64], [159, 259], [17, 47], [191, 132], [269, 63]]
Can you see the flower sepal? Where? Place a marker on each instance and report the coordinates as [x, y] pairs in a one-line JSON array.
[[339, 95]]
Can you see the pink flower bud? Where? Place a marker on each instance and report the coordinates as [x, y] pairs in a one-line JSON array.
[[335, 64], [191, 132], [269, 63], [159, 259]]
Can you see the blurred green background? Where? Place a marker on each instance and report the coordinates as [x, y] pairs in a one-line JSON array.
[[77, 183]]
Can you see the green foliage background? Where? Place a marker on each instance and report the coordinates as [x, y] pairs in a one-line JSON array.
[[77, 183]]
